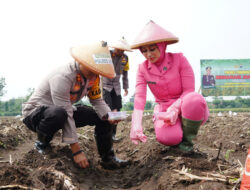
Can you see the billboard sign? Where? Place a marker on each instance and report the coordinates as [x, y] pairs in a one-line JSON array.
[[225, 77]]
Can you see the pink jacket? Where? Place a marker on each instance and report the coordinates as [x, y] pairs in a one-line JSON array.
[[175, 80]]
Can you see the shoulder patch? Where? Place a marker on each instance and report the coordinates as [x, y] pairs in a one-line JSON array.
[[126, 67], [95, 91]]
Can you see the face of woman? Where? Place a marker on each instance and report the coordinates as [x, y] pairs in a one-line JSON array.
[[151, 52]]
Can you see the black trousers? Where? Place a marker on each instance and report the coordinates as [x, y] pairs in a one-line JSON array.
[[86, 115], [49, 119], [114, 101]]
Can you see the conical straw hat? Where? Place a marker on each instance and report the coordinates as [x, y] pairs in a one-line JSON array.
[[153, 33], [96, 58], [121, 44]]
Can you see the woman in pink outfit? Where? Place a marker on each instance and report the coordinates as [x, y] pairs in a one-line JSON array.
[[179, 111]]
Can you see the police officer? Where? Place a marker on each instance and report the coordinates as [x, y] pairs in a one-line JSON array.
[[208, 80], [112, 87], [50, 106]]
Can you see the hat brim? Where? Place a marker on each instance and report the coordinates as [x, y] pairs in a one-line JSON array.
[[96, 70], [153, 33], [121, 48], [167, 40]]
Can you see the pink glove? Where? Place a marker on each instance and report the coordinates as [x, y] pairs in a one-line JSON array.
[[136, 131], [171, 115]]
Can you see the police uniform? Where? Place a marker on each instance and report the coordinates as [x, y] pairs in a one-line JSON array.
[[50, 107], [208, 81], [55, 96], [112, 87]]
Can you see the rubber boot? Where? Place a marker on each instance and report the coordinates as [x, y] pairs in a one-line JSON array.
[[115, 139], [43, 142], [190, 130], [106, 152]]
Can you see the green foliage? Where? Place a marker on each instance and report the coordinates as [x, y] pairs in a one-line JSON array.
[[216, 103], [2, 85], [11, 107], [145, 111], [227, 155], [231, 91], [2, 145], [149, 105], [30, 92], [238, 102], [230, 109], [129, 106]]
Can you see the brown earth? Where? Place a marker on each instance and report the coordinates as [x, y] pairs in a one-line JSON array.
[[225, 139]]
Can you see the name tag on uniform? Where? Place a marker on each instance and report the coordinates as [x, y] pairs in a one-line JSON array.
[[151, 82]]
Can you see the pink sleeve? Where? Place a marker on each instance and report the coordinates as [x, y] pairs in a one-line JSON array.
[[140, 90], [187, 76]]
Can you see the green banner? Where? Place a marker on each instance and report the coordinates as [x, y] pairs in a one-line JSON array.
[[225, 77]]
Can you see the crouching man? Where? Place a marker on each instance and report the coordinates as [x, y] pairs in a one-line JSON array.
[[50, 106]]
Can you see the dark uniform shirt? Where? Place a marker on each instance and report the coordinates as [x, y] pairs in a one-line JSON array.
[[121, 66], [208, 81]]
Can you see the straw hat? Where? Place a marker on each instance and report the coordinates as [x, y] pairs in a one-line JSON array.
[[121, 44], [96, 58], [153, 33]]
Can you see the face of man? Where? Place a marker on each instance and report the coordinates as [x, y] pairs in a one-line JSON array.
[[118, 52], [88, 74], [208, 71]]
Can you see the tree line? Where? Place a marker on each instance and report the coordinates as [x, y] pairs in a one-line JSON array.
[[238, 102], [13, 106]]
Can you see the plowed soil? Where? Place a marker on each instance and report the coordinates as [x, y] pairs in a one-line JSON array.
[[224, 140]]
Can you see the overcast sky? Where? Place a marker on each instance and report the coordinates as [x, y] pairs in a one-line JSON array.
[[36, 35]]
